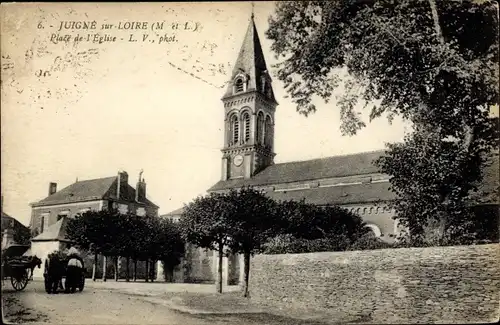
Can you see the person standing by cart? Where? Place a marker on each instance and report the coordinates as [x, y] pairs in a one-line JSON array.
[[74, 270]]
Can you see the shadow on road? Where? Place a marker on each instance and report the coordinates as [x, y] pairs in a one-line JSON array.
[[259, 318], [14, 311]]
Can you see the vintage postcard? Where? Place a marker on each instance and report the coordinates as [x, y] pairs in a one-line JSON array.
[[250, 162]]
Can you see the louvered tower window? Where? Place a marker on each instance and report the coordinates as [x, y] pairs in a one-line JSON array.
[[238, 85], [268, 132], [235, 129], [246, 123], [260, 128]]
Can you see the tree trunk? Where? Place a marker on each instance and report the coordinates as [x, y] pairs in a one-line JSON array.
[[246, 274], [135, 270], [147, 270], [152, 266], [116, 267], [219, 269], [435, 18], [127, 276], [104, 262], [94, 267]]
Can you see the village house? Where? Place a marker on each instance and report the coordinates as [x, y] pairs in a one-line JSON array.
[[50, 215], [13, 232], [351, 181]]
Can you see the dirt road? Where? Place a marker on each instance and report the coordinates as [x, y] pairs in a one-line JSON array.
[[107, 306]]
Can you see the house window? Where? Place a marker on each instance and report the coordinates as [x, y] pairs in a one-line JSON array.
[[246, 123], [238, 85], [62, 214], [235, 129], [42, 223], [123, 208]]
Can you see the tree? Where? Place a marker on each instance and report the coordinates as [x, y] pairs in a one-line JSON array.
[[310, 228], [22, 235], [171, 246], [253, 222], [205, 223], [95, 231], [420, 60], [434, 181], [137, 233]]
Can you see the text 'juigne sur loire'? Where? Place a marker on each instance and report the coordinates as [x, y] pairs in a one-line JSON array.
[[87, 31]]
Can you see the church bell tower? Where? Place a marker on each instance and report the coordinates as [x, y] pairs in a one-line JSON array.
[[249, 107]]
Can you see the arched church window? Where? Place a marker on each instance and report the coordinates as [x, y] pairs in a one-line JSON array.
[[371, 210], [260, 128], [235, 129], [246, 125], [364, 210], [268, 131], [375, 230], [238, 85]]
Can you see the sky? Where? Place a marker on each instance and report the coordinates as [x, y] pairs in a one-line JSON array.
[[83, 110]]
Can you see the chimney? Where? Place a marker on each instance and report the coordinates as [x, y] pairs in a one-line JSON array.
[[52, 188], [121, 184], [140, 190]]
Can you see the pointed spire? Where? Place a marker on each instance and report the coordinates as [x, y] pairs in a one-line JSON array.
[[250, 62]]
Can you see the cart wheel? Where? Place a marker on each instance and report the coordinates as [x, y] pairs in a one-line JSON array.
[[20, 281], [82, 283]]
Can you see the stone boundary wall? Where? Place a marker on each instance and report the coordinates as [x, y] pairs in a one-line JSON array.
[[456, 284]]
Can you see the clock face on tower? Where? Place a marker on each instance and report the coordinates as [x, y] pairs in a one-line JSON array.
[[238, 160]]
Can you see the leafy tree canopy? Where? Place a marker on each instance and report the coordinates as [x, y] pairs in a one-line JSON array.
[[205, 221], [433, 63], [252, 217], [435, 67]]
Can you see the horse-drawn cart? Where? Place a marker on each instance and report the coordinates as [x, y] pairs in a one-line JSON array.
[[16, 266]]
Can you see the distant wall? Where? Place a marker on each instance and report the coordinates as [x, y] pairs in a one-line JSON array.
[[444, 284], [198, 266], [42, 249]]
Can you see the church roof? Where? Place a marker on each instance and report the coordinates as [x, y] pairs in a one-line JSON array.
[[344, 166], [338, 195], [94, 189], [250, 61], [298, 171]]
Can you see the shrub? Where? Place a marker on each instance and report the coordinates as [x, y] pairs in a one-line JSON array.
[[369, 241]]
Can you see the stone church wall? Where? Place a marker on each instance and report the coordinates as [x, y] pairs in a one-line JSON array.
[[437, 284], [380, 216], [197, 266]]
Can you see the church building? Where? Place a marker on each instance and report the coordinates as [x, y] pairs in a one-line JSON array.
[[351, 181]]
